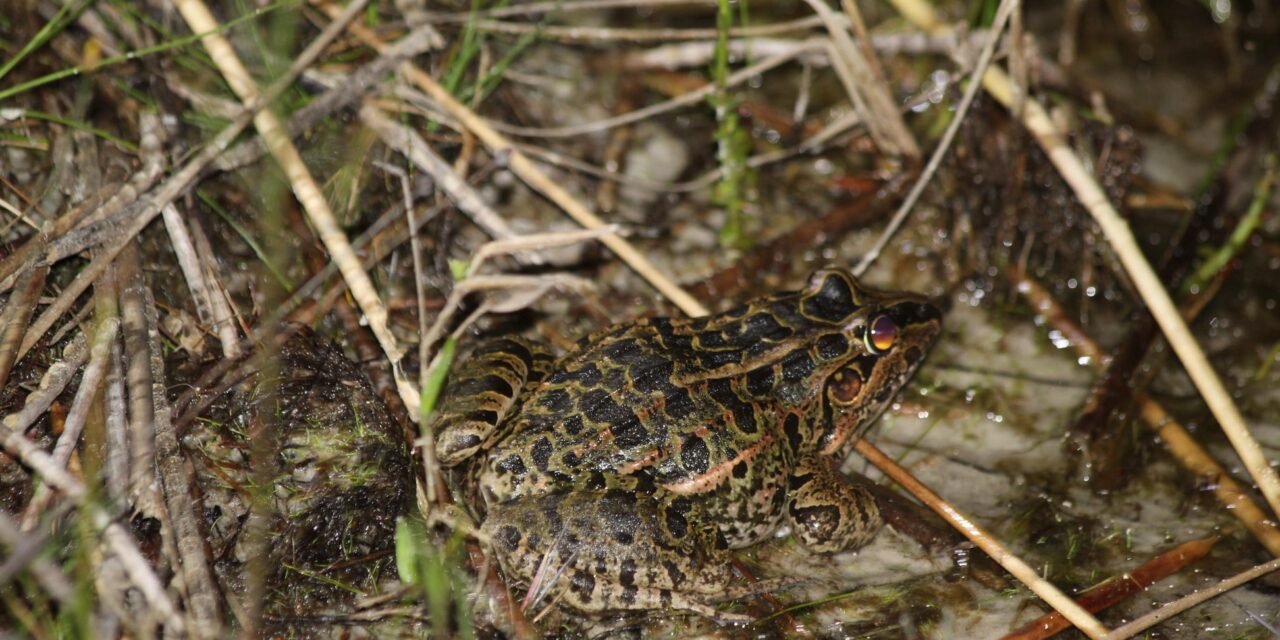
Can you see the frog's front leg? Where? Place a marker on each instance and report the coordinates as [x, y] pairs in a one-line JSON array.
[[828, 512], [612, 550], [481, 391]]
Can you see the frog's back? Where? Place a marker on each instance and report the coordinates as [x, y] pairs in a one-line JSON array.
[[663, 400]]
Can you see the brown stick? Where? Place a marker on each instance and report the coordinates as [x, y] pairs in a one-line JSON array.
[[1119, 588], [1082, 619], [1180, 444]]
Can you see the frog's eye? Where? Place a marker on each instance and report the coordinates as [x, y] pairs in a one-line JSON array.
[[882, 334], [844, 386]]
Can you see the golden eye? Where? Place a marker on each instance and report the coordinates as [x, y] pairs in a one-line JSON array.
[[882, 334], [845, 385]]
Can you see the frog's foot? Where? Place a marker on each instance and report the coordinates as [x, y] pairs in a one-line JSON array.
[[610, 550], [828, 512], [481, 391]]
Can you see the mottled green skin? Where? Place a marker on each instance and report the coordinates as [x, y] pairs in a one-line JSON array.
[[635, 460]]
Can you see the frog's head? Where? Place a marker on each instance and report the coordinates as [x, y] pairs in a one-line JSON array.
[[864, 346]]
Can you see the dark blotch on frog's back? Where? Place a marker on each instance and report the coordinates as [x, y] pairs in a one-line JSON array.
[[796, 366], [726, 397], [832, 346], [694, 455], [600, 407], [829, 297]]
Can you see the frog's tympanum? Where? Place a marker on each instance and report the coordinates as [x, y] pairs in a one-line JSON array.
[[626, 469]]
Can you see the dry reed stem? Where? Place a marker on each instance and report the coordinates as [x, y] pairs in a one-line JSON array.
[[1184, 449], [117, 539], [115, 440], [614, 34], [225, 316], [196, 275], [90, 382], [154, 200], [935, 160], [1037, 121], [1171, 609], [27, 552], [133, 294], [1082, 619], [868, 93], [304, 185], [185, 530], [531, 174], [411, 145]]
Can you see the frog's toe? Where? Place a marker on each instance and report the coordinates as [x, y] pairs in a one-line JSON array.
[[830, 513]]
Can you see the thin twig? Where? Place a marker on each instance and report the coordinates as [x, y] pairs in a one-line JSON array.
[[170, 189], [415, 251], [1119, 588], [17, 313], [615, 34], [304, 185], [868, 94], [1091, 196], [696, 96], [699, 53], [409, 143], [90, 381], [1184, 449], [119, 540], [532, 175], [812, 144], [55, 379], [178, 481], [558, 6], [1190, 600], [900, 216], [533, 242], [27, 551], [1082, 619]]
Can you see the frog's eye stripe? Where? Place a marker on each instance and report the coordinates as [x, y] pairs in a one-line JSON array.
[[881, 336]]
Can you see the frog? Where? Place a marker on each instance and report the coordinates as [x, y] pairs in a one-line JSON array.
[[623, 474]]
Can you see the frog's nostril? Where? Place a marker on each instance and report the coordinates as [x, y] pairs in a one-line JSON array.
[[914, 355]]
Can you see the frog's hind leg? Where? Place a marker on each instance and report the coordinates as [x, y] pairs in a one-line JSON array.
[[611, 550], [481, 391], [828, 512]]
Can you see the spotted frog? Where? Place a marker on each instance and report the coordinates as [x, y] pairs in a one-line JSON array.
[[622, 473]]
